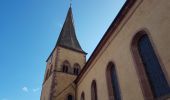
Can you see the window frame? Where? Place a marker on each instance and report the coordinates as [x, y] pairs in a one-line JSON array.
[[94, 95], [140, 68], [68, 97], [76, 69], [109, 81], [69, 94], [82, 96], [66, 66]]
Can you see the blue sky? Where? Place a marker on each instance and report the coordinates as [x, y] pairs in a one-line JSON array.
[[29, 30]]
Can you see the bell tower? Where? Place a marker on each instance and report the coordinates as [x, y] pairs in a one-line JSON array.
[[64, 64]]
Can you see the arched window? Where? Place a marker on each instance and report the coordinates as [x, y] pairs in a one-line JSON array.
[[82, 96], [113, 85], [70, 97], [76, 68], [151, 75], [93, 90], [65, 66]]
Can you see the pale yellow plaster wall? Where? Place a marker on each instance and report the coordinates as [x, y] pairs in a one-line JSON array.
[[70, 90], [46, 89], [70, 55], [154, 17], [59, 55], [63, 82], [46, 86]]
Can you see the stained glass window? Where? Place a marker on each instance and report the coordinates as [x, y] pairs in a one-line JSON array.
[[152, 67]]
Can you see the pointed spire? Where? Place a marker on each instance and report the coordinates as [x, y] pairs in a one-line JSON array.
[[67, 36]]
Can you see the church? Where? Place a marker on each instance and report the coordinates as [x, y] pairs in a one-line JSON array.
[[131, 61]]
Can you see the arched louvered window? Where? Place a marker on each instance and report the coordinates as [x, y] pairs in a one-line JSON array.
[[65, 66], [113, 85], [94, 90], [76, 68], [70, 97], [149, 69], [82, 96]]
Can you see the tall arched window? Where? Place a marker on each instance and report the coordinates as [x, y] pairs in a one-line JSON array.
[[151, 75], [70, 97], [76, 68], [113, 85], [82, 96], [93, 90], [65, 66]]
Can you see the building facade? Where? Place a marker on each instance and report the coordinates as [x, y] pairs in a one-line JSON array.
[[131, 62]]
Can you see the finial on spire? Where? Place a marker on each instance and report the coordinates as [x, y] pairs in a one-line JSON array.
[[70, 3]]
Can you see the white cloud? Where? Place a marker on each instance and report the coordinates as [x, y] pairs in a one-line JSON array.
[[25, 89], [35, 90]]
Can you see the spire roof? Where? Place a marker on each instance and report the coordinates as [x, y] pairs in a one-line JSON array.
[[67, 37]]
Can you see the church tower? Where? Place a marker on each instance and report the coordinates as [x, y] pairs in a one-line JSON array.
[[63, 64]]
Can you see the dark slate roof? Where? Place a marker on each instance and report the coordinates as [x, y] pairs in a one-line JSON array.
[[67, 36]]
